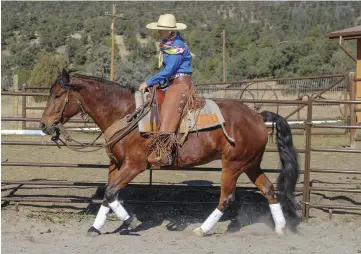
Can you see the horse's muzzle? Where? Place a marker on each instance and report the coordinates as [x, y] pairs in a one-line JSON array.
[[46, 129]]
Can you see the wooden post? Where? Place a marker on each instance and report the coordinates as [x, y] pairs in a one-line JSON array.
[[23, 107], [346, 90], [16, 100], [358, 76], [352, 111], [298, 96], [113, 45], [224, 57]]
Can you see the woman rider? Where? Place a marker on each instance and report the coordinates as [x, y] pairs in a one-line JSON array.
[[176, 59]]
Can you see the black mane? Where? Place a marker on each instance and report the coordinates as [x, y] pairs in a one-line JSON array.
[[97, 79], [104, 81]]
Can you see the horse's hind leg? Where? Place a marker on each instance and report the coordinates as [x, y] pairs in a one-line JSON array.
[[230, 174], [262, 182]]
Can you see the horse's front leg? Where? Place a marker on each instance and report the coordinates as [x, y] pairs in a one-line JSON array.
[[118, 178]]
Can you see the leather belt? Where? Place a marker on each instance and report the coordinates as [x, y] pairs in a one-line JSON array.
[[180, 75], [182, 79], [178, 78]]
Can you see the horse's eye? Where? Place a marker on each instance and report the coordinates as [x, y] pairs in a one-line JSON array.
[[57, 96]]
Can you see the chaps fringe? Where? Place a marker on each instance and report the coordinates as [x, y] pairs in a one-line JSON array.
[[194, 101], [163, 142]]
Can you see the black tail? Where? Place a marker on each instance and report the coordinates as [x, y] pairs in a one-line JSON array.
[[287, 180]]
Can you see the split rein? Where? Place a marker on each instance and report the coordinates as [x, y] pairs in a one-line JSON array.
[[131, 120]]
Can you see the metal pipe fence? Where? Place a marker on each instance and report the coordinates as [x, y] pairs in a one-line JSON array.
[[307, 126], [323, 86], [294, 85]]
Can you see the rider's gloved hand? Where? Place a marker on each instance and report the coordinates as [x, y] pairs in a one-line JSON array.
[[142, 87]]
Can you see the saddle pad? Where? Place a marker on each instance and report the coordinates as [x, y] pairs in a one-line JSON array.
[[207, 117]]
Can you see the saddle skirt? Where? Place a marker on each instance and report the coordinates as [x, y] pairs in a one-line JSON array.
[[206, 117]]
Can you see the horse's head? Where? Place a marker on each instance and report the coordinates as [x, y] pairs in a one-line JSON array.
[[62, 104]]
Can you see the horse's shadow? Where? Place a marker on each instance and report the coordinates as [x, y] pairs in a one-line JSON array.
[[248, 208]]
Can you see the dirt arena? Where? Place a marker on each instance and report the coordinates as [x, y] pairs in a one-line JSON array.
[[246, 227]]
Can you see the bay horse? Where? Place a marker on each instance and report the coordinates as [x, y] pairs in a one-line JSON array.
[[106, 102]]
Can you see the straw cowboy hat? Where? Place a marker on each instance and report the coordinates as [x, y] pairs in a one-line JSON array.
[[166, 22]]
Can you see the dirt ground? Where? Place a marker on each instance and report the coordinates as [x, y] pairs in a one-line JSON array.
[[168, 229], [246, 227]]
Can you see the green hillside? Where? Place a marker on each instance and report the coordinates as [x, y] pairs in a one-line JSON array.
[[264, 39]]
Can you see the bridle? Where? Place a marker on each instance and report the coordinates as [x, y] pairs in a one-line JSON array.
[[60, 129], [66, 101], [64, 86]]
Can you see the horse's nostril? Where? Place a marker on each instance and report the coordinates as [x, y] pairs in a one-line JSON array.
[[42, 126]]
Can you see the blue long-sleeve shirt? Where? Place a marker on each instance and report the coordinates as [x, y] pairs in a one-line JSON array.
[[173, 64]]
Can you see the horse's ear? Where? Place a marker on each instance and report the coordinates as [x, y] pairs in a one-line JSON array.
[[65, 76]]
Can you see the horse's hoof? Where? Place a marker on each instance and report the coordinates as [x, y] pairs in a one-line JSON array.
[[279, 231], [93, 232], [198, 232], [132, 222]]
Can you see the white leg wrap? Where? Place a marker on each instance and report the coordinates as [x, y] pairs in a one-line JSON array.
[[119, 210], [211, 221], [277, 215], [101, 217]]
